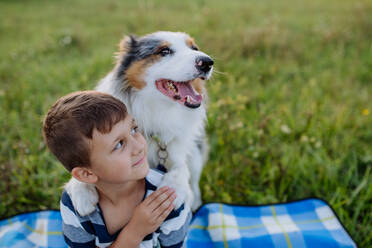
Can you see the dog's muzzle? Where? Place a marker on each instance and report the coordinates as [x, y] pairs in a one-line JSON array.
[[203, 64]]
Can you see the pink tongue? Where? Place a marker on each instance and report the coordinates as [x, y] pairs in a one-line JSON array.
[[186, 89]]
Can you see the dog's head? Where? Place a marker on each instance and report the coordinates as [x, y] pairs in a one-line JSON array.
[[165, 65]]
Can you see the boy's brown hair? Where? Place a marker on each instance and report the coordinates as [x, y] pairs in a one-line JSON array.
[[70, 122]]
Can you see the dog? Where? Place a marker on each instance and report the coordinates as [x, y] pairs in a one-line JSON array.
[[161, 79]]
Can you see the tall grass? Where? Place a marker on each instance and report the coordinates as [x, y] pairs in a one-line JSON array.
[[290, 109]]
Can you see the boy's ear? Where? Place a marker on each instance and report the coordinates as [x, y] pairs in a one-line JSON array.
[[84, 174]]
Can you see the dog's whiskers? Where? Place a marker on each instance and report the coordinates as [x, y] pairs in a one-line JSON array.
[[219, 72]]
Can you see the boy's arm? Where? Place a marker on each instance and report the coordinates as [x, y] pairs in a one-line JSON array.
[[128, 237], [175, 227], [147, 217]]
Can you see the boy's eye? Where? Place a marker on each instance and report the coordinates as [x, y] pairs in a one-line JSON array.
[[134, 130], [119, 145]]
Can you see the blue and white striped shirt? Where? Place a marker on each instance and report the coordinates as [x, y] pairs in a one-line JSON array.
[[91, 231]]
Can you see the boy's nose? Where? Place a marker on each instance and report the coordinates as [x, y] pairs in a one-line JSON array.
[[138, 147]]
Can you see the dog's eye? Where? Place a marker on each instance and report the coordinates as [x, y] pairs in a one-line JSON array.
[[195, 48], [165, 51]]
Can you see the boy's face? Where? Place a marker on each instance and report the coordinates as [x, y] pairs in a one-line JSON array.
[[120, 155]]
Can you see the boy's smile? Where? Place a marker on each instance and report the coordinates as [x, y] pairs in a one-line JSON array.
[[119, 156]]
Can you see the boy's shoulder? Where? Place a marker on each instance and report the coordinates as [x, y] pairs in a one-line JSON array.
[[66, 201], [153, 180], [68, 210], [68, 213]]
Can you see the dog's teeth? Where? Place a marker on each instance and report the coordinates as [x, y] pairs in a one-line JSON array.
[[171, 86], [191, 99]]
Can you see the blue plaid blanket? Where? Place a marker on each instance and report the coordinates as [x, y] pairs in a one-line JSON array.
[[306, 223], [38, 229]]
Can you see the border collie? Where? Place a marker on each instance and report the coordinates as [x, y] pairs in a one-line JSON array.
[[161, 79]]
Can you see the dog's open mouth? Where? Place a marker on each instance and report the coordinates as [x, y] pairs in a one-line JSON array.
[[182, 92]]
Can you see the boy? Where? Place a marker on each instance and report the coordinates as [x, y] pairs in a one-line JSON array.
[[97, 141]]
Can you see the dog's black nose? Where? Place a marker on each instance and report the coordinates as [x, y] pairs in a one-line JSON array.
[[204, 63]]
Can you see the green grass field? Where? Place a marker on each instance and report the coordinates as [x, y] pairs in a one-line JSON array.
[[290, 112]]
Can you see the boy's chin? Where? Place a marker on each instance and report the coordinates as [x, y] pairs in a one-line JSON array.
[[145, 168]]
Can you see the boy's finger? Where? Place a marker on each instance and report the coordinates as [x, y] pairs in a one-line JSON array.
[[165, 213], [164, 205], [155, 203], [155, 194]]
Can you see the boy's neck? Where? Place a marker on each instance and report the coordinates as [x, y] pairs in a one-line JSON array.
[[115, 193]]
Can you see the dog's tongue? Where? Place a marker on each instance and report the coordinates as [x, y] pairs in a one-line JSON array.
[[185, 89], [182, 92]]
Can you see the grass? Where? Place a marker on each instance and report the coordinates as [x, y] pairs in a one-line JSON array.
[[290, 108]]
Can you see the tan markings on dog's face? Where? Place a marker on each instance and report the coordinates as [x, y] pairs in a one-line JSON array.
[[191, 43], [199, 85], [136, 71]]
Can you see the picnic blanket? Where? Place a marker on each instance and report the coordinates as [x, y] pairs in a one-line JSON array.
[[36, 229], [305, 223]]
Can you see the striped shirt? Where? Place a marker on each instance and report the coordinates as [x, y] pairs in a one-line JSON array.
[[91, 231]]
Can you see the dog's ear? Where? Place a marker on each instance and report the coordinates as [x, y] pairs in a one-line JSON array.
[[127, 43], [126, 46]]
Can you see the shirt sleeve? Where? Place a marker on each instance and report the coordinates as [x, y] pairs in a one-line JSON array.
[[73, 231], [174, 229]]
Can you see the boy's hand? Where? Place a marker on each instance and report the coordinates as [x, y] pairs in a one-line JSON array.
[[151, 213]]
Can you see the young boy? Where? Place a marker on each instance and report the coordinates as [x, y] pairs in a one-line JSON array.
[[97, 141]]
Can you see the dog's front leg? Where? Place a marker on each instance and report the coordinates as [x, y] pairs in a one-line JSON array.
[[178, 178], [84, 196], [178, 174]]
